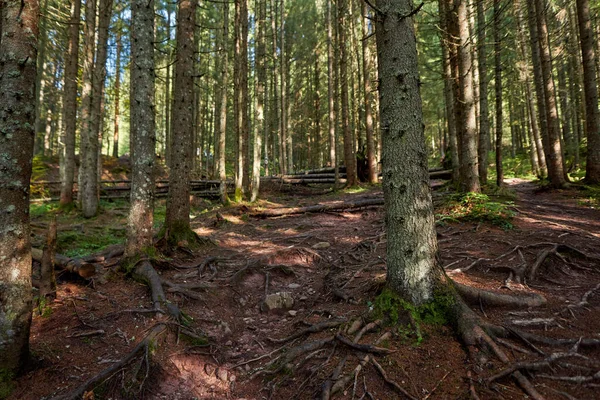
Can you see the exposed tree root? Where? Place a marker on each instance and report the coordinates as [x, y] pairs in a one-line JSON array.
[[98, 379], [311, 329], [145, 272], [474, 295], [390, 382]]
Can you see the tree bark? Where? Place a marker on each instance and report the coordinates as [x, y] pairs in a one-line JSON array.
[[115, 150], [592, 170], [498, 89], [412, 269], [142, 128], [177, 221], [261, 78], [241, 97], [469, 173], [554, 158], [366, 55], [67, 164], [484, 119], [18, 55], [349, 149], [221, 121], [330, 90]]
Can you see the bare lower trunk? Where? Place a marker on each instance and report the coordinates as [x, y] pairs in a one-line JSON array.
[[142, 131], [221, 125], [261, 76], [330, 91], [498, 89], [18, 55], [115, 150], [177, 222], [484, 119], [67, 152], [371, 161]]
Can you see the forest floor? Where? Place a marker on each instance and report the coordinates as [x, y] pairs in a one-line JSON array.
[[332, 264]]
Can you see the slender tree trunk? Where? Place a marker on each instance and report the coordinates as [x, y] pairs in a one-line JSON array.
[[469, 171], [87, 195], [115, 150], [349, 152], [240, 100], [592, 121], [449, 97], [261, 78], [484, 119], [142, 130], [177, 222], [565, 108], [498, 89], [18, 55], [366, 55], [70, 108], [317, 99], [554, 158], [47, 127], [221, 121], [412, 269], [40, 82], [168, 119], [330, 90]]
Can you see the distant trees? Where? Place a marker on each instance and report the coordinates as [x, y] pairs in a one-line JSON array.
[[18, 55]]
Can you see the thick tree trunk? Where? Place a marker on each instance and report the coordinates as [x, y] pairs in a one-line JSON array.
[[221, 121], [469, 173], [498, 89], [67, 152], [592, 171], [115, 150], [18, 55], [177, 221], [412, 269], [554, 158], [261, 79], [349, 149], [142, 130], [241, 97]]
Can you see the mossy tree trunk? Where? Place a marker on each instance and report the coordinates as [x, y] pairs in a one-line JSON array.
[[177, 222], [221, 109], [412, 268], [18, 55], [67, 151], [142, 128]]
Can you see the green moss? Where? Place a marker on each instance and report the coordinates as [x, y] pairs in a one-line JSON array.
[[477, 207], [238, 196], [7, 383], [440, 311], [180, 234], [78, 244]]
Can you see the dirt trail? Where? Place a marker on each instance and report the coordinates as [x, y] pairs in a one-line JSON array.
[[332, 265]]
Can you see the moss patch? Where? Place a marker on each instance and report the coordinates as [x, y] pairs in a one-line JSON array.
[[478, 207], [7, 384]]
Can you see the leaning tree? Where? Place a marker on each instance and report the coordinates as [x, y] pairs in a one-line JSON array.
[[18, 54]]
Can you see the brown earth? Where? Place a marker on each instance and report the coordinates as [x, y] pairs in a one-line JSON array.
[[333, 264]]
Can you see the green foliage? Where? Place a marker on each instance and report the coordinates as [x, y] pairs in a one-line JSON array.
[[6, 383], [590, 196], [513, 167], [41, 209], [479, 208]]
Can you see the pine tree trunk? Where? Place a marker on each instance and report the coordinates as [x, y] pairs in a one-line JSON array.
[[349, 152], [177, 221], [221, 121], [115, 150], [498, 89], [168, 98], [330, 90], [449, 97], [142, 130], [554, 158], [592, 171], [484, 119], [261, 78], [18, 55], [366, 56], [67, 159], [469, 173], [40, 82], [412, 269], [87, 194]]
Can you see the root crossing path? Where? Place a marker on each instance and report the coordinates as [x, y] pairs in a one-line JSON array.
[[287, 306]]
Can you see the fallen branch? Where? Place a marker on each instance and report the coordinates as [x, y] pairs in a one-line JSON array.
[[390, 382], [366, 348], [74, 265], [474, 295], [311, 329], [279, 212]]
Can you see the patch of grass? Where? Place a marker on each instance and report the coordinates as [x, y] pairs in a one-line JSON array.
[[79, 244], [479, 208], [514, 167], [355, 189], [590, 196], [41, 209], [7, 384]]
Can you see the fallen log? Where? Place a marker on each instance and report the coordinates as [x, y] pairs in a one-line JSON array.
[[74, 265], [279, 212]]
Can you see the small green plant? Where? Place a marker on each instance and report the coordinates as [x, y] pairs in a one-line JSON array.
[[477, 207], [6, 383]]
